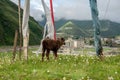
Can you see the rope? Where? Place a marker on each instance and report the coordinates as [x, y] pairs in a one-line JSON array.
[[106, 9]]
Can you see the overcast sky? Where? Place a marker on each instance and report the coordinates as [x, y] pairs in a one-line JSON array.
[[76, 9]]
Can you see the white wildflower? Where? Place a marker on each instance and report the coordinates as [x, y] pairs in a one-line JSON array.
[[82, 78], [9, 61], [82, 55], [92, 57], [66, 57], [88, 77], [110, 78], [76, 57], [60, 58], [34, 70], [64, 78], [48, 71], [87, 61], [67, 60], [116, 72], [2, 77]]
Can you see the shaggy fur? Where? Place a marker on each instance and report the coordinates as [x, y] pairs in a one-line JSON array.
[[53, 45]]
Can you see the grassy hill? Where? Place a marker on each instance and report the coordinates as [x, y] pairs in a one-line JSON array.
[[9, 23], [71, 29], [108, 28]]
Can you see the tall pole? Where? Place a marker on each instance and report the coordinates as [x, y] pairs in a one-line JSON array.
[[96, 25], [20, 28], [16, 35], [25, 28]]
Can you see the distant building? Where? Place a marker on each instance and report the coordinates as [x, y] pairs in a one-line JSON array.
[[71, 45]]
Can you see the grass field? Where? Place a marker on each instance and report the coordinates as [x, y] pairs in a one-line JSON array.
[[67, 67]]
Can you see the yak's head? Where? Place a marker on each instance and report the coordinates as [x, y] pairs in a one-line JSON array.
[[61, 40]]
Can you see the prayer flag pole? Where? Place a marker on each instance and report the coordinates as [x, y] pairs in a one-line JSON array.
[[49, 26], [20, 28], [25, 28], [96, 25]]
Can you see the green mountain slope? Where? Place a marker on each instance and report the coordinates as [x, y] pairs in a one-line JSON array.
[[9, 23], [71, 29], [108, 28]]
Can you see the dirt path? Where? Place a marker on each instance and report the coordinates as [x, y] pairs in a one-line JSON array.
[[10, 48], [113, 51], [6, 48]]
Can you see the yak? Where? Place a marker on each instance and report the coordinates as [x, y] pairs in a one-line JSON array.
[[51, 45]]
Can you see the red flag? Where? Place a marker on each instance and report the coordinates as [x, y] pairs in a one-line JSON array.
[[52, 16]]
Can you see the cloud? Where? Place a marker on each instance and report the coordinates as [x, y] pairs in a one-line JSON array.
[[15, 1], [36, 9], [76, 9], [80, 9], [73, 10]]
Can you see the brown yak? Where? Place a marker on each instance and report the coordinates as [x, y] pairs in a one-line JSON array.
[[53, 45]]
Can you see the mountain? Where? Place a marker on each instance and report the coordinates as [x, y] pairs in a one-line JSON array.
[[108, 28], [70, 29], [9, 23]]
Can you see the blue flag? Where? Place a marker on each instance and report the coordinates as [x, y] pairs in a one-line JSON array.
[[96, 25]]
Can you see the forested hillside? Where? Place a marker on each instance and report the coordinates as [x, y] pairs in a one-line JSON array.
[[9, 23]]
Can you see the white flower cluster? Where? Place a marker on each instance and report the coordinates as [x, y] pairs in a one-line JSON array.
[[110, 78]]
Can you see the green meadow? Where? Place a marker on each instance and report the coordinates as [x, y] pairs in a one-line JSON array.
[[66, 67]]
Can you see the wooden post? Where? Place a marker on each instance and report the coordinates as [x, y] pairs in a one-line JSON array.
[[20, 28], [15, 44]]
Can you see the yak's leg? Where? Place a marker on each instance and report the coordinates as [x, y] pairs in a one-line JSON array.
[[55, 54], [47, 54], [43, 54]]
